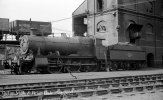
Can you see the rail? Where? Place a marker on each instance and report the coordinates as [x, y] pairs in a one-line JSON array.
[[128, 85]]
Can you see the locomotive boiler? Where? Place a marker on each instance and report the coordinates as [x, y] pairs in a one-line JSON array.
[[81, 46], [57, 54], [76, 54]]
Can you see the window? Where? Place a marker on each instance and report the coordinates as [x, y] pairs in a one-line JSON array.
[[161, 8], [149, 29], [131, 22], [162, 31], [100, 5], [149, 7], [134, 31]]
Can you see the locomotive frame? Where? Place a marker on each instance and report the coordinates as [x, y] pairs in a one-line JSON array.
[[77, 54], [102, 25]]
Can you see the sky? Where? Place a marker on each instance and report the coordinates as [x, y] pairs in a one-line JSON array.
[[41, 10]]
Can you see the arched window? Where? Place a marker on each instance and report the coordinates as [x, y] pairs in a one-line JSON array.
[[133, 31], [129, 30], [131, 22], [149, 7], [149, 29]]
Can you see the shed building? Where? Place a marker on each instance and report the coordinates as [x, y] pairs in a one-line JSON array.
[[114, 20]]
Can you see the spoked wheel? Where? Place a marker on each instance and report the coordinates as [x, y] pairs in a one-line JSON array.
[[73, 68], [136, 66], [15, 69], [142, 65], [90, 66], [93, 68], [84, 69], [122, 64], [25, 68], [85, 66], [114, 66], [54, 69], [108, 68]]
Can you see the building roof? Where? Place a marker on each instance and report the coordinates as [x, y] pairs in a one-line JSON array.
[[82, 9]]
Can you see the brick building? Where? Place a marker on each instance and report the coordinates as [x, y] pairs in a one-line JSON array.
[[112, 19]]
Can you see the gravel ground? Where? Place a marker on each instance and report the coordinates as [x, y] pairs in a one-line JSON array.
[[19, 79], [147, 96], [5, 72]]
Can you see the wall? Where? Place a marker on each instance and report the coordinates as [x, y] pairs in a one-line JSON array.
[[143, 12], [79, 27], [81, 9], [124, 20], [148, 38], [159, 42], [103, 26], [159, 8], [150, 15], [127, 4], [108, 5]]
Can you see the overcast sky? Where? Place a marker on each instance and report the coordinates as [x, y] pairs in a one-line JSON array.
[[41, 10]]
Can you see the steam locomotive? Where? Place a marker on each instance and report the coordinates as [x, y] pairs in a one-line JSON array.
[[42, 54]]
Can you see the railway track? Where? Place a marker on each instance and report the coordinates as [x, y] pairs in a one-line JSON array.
[[128, 85]]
